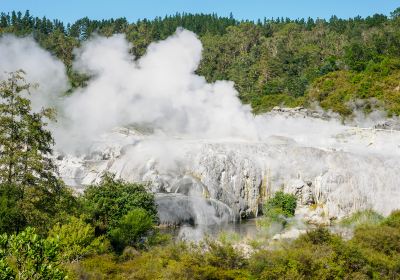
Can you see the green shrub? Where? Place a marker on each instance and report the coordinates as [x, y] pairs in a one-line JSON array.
[[382, 238], [132, 229], [377, 86], [286, 203], [265, 103], [320, 235], [278, 209], [107, 202], [393, 220], [223, 255], [96, 267], [28, 256], [77, 240], [6, 272], [373, 253]]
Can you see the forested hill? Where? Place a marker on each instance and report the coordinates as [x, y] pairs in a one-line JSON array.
[[341, 63]]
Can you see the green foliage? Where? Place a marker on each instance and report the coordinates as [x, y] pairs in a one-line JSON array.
[[276, 212], [357, 56], [373, 253], [222, 254], [30, 190], [267, 102], [11, 216], [28, 256], [322, 255], [25, 143], [280, 207], [393, 220], [376, 87], [285, 202], [6, 272], [131, 229], [107, 202], [317, 236], [384, 237], [77, 240], [209, 260]]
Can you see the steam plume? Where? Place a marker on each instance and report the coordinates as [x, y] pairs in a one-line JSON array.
[[160, 90], [40, 66]]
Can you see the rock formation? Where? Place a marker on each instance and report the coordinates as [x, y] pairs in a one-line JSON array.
[[208, 181]]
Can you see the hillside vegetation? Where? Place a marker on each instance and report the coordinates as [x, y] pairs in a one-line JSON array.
[[342, 64]]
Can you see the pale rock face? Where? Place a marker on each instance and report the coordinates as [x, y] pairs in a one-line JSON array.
[[314, 215], [230, 176], [213, 181]]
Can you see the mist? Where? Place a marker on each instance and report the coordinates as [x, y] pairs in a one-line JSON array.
[[160, 90], [41, 68]]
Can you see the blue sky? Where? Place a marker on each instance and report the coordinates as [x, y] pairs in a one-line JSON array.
[[71, 10]]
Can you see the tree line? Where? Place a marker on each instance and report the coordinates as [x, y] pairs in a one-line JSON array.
[[340, 64]]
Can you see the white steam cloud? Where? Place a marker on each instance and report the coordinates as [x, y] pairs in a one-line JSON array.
[[159, 90], [40, 66]]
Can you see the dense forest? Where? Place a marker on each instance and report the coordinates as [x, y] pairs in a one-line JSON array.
[[342, 64], [110, 231]]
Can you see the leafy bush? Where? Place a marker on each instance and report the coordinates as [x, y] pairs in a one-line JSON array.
[[393, 220], [77, 240], [381, 238], [131, 229], [319, 235], [222, 254], [6, 272], [266, 102], [107, 202], [318, 254], [279, 208], [286, 203], [28, 256], [384, 238]]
